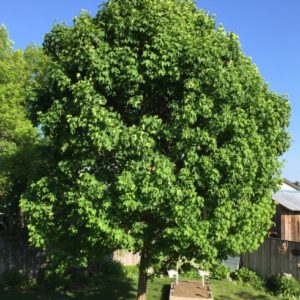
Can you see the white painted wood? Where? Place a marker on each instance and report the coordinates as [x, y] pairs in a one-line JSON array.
[[172, 274], [202, 274]]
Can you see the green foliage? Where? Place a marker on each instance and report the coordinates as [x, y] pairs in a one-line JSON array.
[[16, 131], [13, 278], [219, 271], [247, 276], [189, 273], [131, 271], [165, 136], [283, 285], [76, 278], [111, 267], [19, 141], [53, 281]]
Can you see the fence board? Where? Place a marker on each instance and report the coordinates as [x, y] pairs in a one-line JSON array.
[[126, 258], [16, 253], [274, 256]]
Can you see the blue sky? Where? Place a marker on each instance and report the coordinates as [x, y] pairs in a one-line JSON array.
[[268, 30]]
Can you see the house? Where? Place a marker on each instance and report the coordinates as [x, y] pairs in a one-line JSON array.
[[280, 252], [287, 218]]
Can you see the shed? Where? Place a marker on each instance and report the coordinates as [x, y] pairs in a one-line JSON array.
[[287, 218]]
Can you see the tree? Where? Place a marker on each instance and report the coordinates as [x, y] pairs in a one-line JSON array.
[[166, 139], [18, 137]]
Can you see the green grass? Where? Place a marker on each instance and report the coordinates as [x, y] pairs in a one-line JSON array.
[[226, 290], [116, 288]]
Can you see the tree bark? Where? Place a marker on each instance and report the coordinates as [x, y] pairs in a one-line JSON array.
[[143, 279]]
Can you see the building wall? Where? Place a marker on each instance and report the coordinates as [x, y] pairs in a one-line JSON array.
[[290, 227], [287, 224], [274, 256]]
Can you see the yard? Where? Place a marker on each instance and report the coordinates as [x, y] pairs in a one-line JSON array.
[[116, 288]]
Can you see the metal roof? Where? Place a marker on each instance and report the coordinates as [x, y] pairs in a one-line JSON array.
[[291, 184], [288, 199]]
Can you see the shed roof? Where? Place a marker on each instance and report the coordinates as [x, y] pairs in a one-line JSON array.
[[288, 199], [291, 184]]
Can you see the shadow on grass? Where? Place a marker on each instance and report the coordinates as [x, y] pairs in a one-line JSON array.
[[165, 292], [114, 289], [243, 296], [110, 288], [246, 296]]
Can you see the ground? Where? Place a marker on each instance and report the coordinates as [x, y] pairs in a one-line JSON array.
[[190, 289], [112, 288], [225, 290]]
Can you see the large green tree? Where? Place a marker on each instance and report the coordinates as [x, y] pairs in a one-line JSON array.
[[18, 137], [165, 135]]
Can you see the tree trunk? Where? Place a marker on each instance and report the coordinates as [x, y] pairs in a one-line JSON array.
[[143, 279]]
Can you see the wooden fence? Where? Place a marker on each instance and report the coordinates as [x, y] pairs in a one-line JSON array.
[[274, 256], [126, 258], [15, 253]]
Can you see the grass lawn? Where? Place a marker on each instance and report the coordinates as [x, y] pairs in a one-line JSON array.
[[114, 288], [226, 290]]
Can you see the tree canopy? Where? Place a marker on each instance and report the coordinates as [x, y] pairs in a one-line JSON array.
[[165, 135], [18, 137]]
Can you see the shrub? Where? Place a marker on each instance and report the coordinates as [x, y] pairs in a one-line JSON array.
[[190, 274], [249, 277], [220, 271], [51, 280], [188, 271], [284, 285], [111, 267], [13, 278], [131, 271]]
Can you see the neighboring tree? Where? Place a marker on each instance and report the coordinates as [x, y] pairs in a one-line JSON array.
[[165, 135], [18, 138]]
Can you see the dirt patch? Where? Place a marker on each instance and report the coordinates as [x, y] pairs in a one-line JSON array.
[[186, 290]]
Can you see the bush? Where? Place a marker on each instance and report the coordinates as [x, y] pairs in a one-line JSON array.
[[190, 274], [111, 267], [249, 277], [284, 285], [13, 278], [131, 271], [51, 280], [77, 278], [73, 279], [188, 271], [220, 272]]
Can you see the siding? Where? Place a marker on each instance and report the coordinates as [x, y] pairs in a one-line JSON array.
[[274, 256]]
